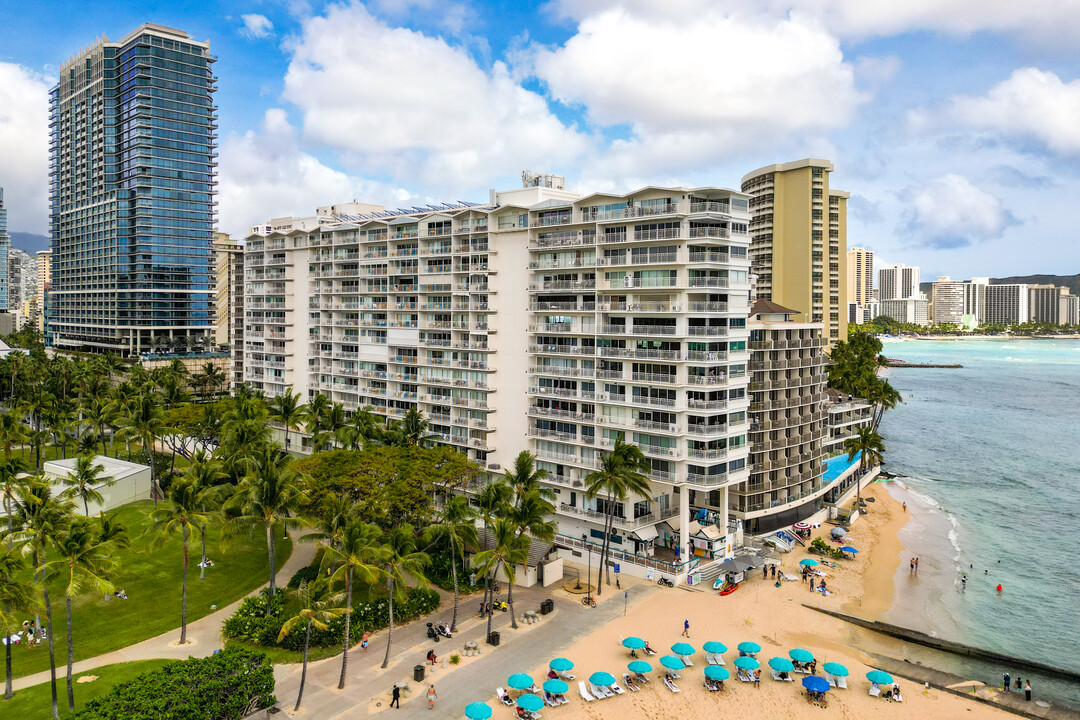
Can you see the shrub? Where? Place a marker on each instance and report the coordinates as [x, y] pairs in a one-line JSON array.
[[455, 659], [308, 574], [227, 686], [824, 549]]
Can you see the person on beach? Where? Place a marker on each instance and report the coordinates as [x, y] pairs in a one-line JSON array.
[[1018, 684], [963, 583], [811, 584], [916, 566], [911, 566], [431, 695], [686, 628], [1027, 691], [395, 700], [764, 572], [1007, 684], [905, 506]]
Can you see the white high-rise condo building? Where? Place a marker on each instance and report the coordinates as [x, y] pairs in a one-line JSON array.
[[860, 275], [898, 282]]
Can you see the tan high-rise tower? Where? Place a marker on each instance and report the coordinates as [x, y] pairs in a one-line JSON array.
[[799, 241], [860, 275]]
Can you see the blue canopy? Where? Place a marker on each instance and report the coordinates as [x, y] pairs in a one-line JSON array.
[[532, 703], [561, 664], [747, 663], [780, 664], [879, 677], [556, 687], [672, 663], [814, 683], [634, 643], [848, 548], [639, 666], [520, 681], [749, 647], [714, 647], [716, 672], [681, 648], [601, 678], [477, 711], [808, 561], [835, 668], [800, 655]]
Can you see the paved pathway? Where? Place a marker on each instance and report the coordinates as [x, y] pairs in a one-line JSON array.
[[475, 679], [204, 634]]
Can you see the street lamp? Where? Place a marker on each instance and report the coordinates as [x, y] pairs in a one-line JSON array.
[[588, 583]]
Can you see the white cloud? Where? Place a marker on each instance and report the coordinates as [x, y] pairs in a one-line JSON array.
[[951, 212], [24, 147], [1030, 104], [1054, 21], [401, 103], [264, 174], [257, 26]]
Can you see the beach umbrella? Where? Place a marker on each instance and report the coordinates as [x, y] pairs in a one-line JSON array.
[[478, 711], [835, 668], [808, 562], [681, 648], [639, 666], [800, 655], [749, 647], [747, 663], [816, 684], [520, 681], [838, 532], [532, 703], [780, 664], [848, 548], [714, 647], [601, 678], [672, 663], [801, 526], [556, 687], [716, 672], [634, 643], [561, 665], [879, 677]]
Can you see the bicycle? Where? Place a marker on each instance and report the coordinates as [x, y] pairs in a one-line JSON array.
[[588, 601]]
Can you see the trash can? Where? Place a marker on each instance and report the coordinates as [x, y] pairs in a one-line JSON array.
[[493, 639], [547, 606], [418, 673]]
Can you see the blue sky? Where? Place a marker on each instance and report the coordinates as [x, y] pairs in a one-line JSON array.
[[955, 124]]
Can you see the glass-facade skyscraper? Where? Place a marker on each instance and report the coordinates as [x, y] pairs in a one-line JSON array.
[[133, 178]]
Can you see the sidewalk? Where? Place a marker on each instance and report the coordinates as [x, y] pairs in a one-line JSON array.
[[204, 634]]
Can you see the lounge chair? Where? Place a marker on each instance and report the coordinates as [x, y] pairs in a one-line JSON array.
[[710, 659], [629, 683], [641, 678], [686, 660], [600, 691], [568, 677], [503, 697], [670, 684], [744, 677], [779, 677], [875, 691], [563, 700], [831, 679], [674, 674], [584, 693], [841, 682], [550, 701], [618, 689]]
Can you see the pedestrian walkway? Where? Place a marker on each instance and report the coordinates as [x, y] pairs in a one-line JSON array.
[[204, 634]]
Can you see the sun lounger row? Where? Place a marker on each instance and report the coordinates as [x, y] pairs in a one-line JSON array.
[[671, 684], [714, 658], [590, 692]]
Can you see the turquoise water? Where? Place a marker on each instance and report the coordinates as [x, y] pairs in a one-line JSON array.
[[992, 458], [837, 466]]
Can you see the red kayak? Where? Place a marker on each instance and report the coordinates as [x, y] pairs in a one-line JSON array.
[[729, 589]]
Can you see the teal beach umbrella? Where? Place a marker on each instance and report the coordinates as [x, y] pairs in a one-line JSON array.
[[747, 663], [639, 666], [634, 643], [780, 664], [716, 672], [714, 647], [809, 562], [520, 681], [749, 647], [835, 668], [800, 655], [529, 702], [602, 679], [561, 664], [556, 687], [879, 677], [681, 648], [672, 663], [477, 711]]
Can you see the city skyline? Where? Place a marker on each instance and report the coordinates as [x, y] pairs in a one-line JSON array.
[[932, 162]]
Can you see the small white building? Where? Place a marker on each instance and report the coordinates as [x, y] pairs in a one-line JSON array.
[[121, 482]]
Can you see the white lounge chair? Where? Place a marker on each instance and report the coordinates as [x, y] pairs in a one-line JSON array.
[[584, 693], [568, 677], [629, 683], [686, 660], [670, 684], [550, 702], [744, 677], [674, 674], [600, 692], [841, 682], [831, 679], [503, 697], [641, 678], [776, 676], [563, 700], [875, 691]]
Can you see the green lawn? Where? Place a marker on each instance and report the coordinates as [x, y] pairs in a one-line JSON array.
[[281, 656], [151, 578], [35, 703]]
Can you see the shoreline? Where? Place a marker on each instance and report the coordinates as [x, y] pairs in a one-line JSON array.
[[1064, 336]]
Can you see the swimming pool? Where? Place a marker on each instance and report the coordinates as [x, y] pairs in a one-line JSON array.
[[837, 466]]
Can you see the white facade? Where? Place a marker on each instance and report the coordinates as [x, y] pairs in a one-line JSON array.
[[1007, 304], [898, 282], [860, 275], [121, 482], [910, 310]]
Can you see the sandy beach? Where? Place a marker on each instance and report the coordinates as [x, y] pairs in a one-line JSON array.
[[776, 619]]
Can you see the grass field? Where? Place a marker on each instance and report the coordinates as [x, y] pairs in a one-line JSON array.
[[152, 580], [35, 703]]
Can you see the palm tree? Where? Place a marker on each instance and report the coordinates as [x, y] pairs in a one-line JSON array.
[[288, 409], [508, 550], [42, 517], [204, 473], [12, 430], [886, 397], [414, 427], [83, 561], [525, 477], [621, 474], [331, 422], [458, 529], [100, 413], [318, 606], [868, 446], [214, 376], [82, 480], [357, 556], [313, 415], [400, 562], [493, 501], [179, 514], [11, 468], [244, 428], [145, 421], [17, 596], [267, 497]]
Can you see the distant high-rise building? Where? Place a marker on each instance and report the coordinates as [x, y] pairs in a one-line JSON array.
[[132, 127], [911, 310], [229, 300], [860, 275], [22, 284], [799, 241], [1007, 304], [44, 279], [5, 247], [947, 297], [898, 282], [1044, 303]]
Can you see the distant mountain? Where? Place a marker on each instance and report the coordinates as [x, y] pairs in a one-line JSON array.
[[1070, 281], [30, 242]]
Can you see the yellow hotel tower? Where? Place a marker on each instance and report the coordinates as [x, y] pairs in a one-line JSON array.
[[798, 241]]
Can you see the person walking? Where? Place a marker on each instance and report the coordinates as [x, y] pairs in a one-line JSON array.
[[1027, 691], [686, 628], [431, 695], [963, 583], [811, 584], [764, 572], [911, 566], [395, 700], [1018, 684], [1008, 683]]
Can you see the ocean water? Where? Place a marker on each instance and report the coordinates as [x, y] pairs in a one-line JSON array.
[[991, 459]]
